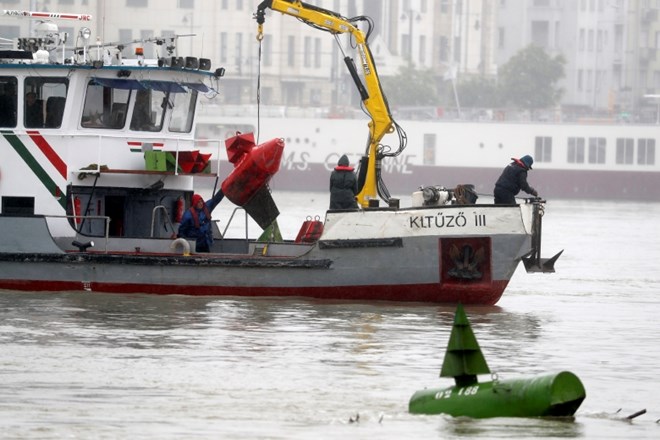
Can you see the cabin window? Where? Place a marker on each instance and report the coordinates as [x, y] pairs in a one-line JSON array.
[[105, 106], [575, 150], [149, 110], [625, 149], [44, 100], [18, 205], [543, 149], [8, 88], [183, 111], [597, 150], [646, 151], [429, 148]]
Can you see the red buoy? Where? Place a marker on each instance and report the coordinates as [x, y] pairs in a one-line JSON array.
[[254, 166]]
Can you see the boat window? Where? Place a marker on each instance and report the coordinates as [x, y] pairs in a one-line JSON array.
[[8, 87], [597, 150], [543, 149], [575, 150], [44, 100], [149, 110], [646, 151], [106, 104], [625, 148], [18, 205], [183, 111]]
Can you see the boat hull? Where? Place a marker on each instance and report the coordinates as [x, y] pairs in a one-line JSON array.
[[416, 255]]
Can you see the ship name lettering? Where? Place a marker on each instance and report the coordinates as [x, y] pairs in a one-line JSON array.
[[399, 165], [290, 162], [479, 219], [439, 221]]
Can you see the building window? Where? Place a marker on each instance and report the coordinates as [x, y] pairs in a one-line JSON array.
[[575, 150], [543, 149], [223, 47], [291, 51], [317, 52], [541, 33], [597, 150], [444, 49], [267, 52], [444, 6], [307, 52], [625, 149], [239, 53], [187, 4], [137, 3], [422, 50], [646, 151], [500, 38]]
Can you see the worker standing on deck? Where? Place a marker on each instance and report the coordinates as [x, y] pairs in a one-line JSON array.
[[512, 180], [196, 221], [343, 186]]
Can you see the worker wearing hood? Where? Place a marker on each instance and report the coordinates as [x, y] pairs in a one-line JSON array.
[[343, 186], [514, 179]]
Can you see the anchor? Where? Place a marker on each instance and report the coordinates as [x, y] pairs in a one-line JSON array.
[[532, 260], [556, 395]]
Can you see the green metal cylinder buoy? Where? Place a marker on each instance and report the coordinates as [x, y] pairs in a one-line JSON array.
[[555, 395]]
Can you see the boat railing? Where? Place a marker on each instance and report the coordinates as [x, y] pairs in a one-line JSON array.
[[231, 219], [103, 153], [153, 218]]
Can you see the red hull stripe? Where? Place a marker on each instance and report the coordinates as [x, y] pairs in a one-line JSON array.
[[48, 151], [429, 293]]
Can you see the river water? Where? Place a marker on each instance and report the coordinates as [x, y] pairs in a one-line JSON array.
[[81, 365]]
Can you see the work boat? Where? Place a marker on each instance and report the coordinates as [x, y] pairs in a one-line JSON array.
[[94, 183]]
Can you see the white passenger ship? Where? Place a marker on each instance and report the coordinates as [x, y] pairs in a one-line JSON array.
[[576, 160]]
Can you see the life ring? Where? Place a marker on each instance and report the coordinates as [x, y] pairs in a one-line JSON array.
[[185, 246]]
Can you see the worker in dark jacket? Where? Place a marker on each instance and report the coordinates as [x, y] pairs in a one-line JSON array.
[[514, 179], [343, 186], [196, 221]]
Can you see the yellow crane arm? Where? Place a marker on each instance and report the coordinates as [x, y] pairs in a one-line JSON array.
[[371, 93]]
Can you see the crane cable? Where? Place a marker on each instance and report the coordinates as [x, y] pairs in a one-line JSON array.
[[260, 38]]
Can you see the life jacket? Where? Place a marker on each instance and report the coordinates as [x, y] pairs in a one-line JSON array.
[[343, 168], [195, 216]]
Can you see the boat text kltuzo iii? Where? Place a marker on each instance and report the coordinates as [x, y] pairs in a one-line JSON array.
[[95, 179]]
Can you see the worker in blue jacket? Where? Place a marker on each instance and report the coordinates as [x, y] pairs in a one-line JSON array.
[[514, 179], [196, 221]]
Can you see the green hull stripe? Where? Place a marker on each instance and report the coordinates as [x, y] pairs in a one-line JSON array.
[[38, 171]]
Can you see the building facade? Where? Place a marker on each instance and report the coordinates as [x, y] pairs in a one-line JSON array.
[[610, 46]]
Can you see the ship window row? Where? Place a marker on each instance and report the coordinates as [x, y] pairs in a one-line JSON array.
[[593, 150], [108, 103]]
